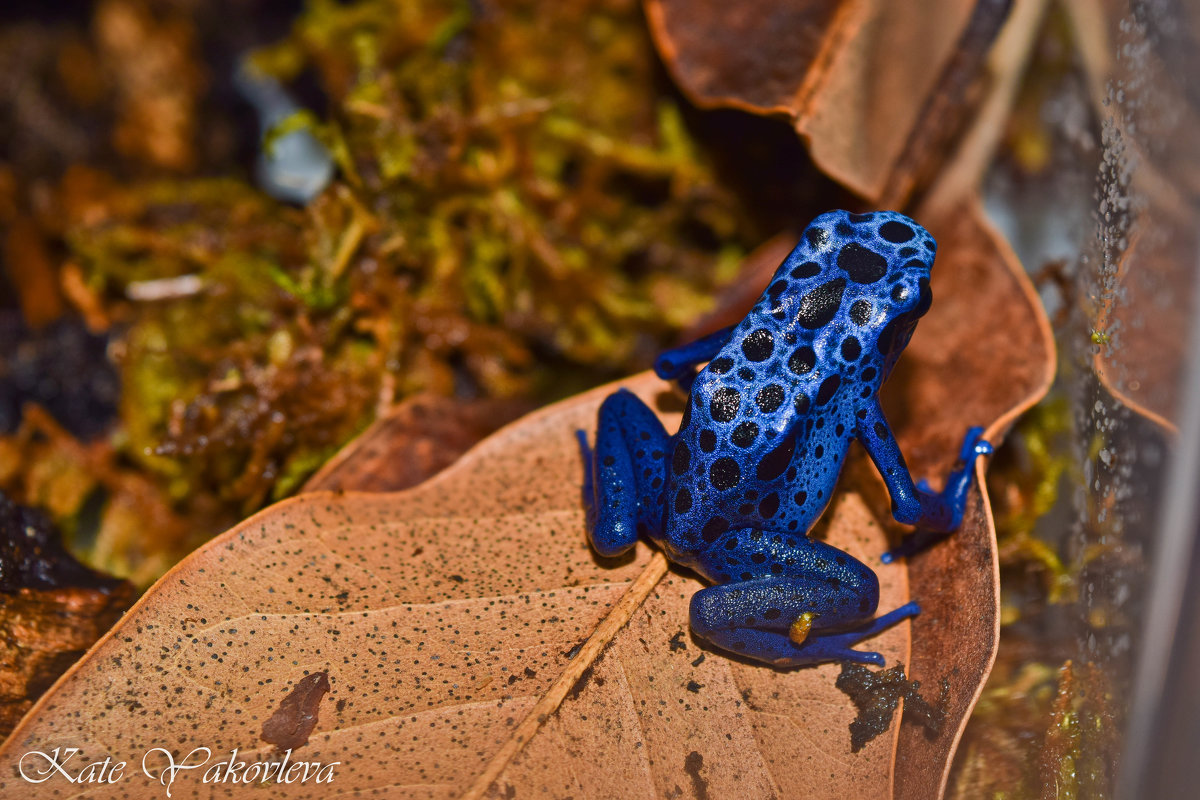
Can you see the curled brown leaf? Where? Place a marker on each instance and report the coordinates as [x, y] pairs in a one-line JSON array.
[[1139, 352], [875, 88]]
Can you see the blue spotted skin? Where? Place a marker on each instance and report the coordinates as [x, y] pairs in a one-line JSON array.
[[734, 492]]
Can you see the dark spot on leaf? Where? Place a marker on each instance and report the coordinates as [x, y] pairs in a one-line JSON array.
[[292, 723], [692, 766], [877, 694]]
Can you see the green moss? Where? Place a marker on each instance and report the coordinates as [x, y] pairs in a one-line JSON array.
[[519, 210]]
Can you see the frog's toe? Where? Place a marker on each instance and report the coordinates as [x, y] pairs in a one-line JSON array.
[[839, 646], [919, 541], [665, 368], [863, 657], [974, 445], [832, 647]]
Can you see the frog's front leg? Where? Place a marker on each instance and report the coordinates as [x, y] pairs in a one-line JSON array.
[[815, 613], [628, 472], [679, 364], [915, 503]]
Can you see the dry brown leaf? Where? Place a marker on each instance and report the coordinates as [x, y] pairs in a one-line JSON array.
[[442, 616], [474, 646], [875, 87], [411, 442], [1137, 65], [52, 608], [1140, 330], [43, 632], [33, 280]]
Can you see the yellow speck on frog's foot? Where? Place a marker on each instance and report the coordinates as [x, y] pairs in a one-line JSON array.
[[800, 628]]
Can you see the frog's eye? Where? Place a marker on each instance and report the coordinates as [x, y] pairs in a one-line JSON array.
[[900, 293], [926, 298]]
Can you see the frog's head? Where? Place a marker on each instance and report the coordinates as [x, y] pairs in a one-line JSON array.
[[883, 261], [904, 291]]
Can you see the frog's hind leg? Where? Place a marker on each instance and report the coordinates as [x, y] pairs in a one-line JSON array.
[[781, 649], [816, 611], [627, 473]]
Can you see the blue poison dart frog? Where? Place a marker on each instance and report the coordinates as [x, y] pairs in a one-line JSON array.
[[733, 494]]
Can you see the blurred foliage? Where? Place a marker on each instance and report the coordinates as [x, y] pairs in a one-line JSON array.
[[1025, 487], [1050, 734], [519, 211], [1047, 724]]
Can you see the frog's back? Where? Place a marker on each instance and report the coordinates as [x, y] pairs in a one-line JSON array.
[[770, 418]]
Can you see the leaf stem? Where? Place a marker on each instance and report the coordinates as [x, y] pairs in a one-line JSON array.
[[608, 628]]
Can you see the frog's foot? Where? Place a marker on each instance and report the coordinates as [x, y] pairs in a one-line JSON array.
[[945, 509], [627, 472], [680, 364], [942, 512], [918, 542]]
